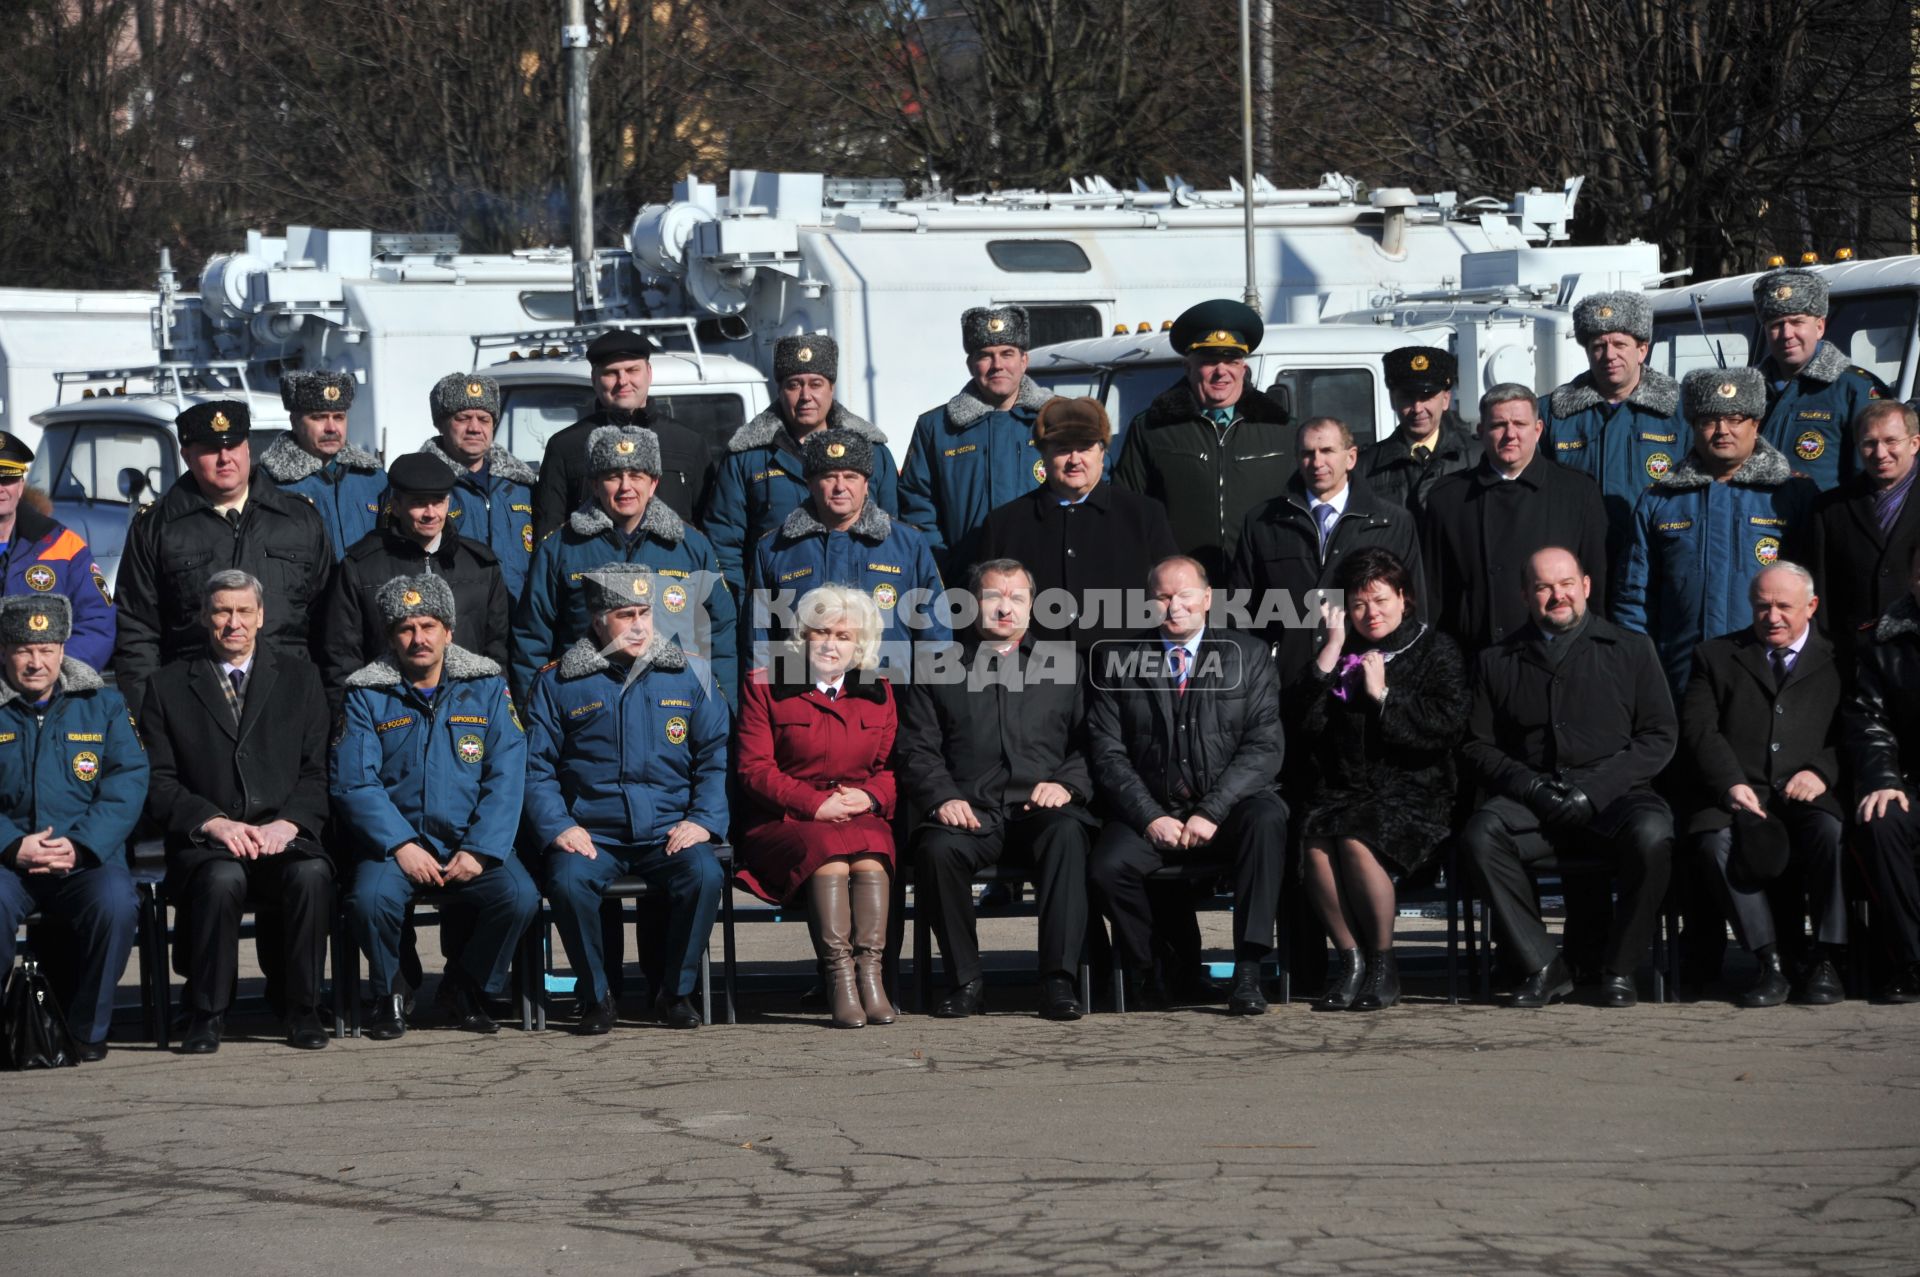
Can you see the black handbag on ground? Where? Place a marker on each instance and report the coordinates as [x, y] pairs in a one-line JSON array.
[[35, 1033]]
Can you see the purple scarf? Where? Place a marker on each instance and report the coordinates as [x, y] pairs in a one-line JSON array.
[[1349, 682]]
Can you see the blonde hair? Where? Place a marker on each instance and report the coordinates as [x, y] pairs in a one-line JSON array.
[[820, 607]]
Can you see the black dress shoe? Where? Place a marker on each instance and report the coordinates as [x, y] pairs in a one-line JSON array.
[[1770, 987], [969, 999], [1247, 998], [1058, 1000], [676, 1011], [203, 1035], [1617, 990], [388, 1020], [304, 1032], [1142, 993], [464, 1005], [597, 1018], [90, 1052], [1821, 986], [1543, 986], [1383, 983], [1346, 986]]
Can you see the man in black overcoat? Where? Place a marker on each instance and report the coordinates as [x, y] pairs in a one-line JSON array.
[[1086, 544], [237, 740], [1572, 720], [1760, 728], [1863, 533], [1481, 526], [993, 750], [414, 539]]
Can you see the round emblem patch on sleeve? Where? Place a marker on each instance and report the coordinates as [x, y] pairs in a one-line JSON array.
[[100, 583], [526, 538], [1039, 472], [1659, 465], [674, 597], [470, 748], [1767, 551], [676, 730], [86, 765], [1810, 446], [885, 595], [41, 577]]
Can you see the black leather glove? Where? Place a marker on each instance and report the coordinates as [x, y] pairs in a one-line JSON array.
[[1558, 804]]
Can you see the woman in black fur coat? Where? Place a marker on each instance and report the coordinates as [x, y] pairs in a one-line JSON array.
[[1389, 705]]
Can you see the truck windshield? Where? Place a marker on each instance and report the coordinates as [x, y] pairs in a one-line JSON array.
[[83, 461]]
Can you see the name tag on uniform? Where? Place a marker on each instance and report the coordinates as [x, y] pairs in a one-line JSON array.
[[95, 737], [885, 567], [394, 724], [1760, 521], [1651, 438], [1816, 414], [1569, 445], [961, 450], [770, 473], [674, 703], [588, 708], [7, 738], [522, 509], [795, 575], [1678, 525], [478, 720]]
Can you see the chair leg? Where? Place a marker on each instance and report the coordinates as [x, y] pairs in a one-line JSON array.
[[727, 973], [1119, 988], [706, 986], [155, 994], [922, 959], [1453, 929]]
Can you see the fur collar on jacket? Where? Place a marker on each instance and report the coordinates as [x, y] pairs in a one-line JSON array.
[[1901, 617], [74, 677], [658, 521], [765, 429], [287, 462], [1766, 468], [500, 462], [585, 658], [1176, 403], [461, 664], [873, 524], [968, 407], [1657, 394]]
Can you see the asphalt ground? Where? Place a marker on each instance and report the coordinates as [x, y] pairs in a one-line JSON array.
[[1425, 1139]]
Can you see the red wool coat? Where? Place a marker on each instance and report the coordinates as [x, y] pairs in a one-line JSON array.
[[795, 748]]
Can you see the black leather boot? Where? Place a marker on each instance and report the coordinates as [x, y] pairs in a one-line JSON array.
[[1346, 986], [1383, 983]]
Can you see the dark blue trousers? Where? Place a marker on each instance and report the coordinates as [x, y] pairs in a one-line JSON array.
[[488, 915], [100, 911], [691, 882]]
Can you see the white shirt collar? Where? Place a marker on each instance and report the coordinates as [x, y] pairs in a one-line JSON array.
[[1338, 500], [833, 687], [245, 667], [1192, 645]]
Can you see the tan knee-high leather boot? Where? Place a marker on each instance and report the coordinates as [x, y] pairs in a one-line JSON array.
[[870, 900], [832, 918]]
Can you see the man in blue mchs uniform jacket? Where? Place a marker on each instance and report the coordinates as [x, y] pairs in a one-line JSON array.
[[1813, 390], [838, 536], [315, 461], [1703, 533], [975, 453], [40, 556], [763, 476], [493, 496], [429, 764], [73, 777], [624, 520], [627, 774], [1619, 422]]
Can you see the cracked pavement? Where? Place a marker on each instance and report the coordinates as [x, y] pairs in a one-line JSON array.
[[1425, 1139]]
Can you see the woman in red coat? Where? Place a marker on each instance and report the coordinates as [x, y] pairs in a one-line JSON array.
[[816, 730]]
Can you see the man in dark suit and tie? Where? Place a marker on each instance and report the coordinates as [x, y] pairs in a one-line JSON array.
[[237, 739], [1760, 725], [1185, 739], [1863, 533]]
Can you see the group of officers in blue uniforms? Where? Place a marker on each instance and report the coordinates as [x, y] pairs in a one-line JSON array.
[[624, 645]]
